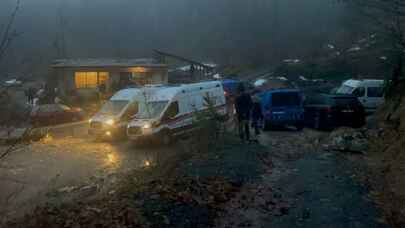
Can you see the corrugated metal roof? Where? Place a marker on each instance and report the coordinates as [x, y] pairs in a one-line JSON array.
[[105, 62]]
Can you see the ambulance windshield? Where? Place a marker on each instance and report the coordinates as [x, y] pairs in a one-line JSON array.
[[151, 110]]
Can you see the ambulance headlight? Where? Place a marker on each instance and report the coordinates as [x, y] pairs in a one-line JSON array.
[[147, 126], [110, 122]]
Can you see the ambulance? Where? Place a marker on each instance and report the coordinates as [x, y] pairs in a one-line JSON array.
[[112, 119], [168, 112]]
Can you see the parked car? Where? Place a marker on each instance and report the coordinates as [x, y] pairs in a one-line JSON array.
[[282, 107], [13, 83], [112, 119], [169, 112], [369, 92], [53, 114], [327, 112]]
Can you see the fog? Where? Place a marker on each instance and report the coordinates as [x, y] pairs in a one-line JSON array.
[[226, 31]]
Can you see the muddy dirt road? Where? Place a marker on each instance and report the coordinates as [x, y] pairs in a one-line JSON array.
[[304, 186]]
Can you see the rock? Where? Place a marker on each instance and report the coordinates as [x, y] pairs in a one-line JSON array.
[[348, 140], [88, 190], [155, 196], [94, 209], [67, 189]]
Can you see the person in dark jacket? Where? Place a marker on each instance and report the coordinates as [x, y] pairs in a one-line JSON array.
[[257, 114], [243, 106]]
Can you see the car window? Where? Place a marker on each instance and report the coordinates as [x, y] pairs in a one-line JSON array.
[[46, 108], [359, 92], [151, 110], [172, 110], [285, 99], [113, 107], [55, 108], [345, 89], [375, 91], [315, 100]]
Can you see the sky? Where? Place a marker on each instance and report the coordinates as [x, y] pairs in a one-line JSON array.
[[225, 31]]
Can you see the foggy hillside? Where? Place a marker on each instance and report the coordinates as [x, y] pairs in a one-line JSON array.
[[227, 31]]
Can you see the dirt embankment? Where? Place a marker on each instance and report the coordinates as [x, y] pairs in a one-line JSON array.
[[386, 160]]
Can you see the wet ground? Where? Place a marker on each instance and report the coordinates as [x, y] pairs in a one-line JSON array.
[[303, 186], [60, 165], [287, 181], [323, 194]]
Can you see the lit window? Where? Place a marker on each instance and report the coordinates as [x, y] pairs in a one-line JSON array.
[[103, 77], [138, 69], [90, 79]]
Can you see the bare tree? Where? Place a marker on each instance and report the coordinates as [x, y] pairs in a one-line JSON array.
[[389, 17], [9, 33]]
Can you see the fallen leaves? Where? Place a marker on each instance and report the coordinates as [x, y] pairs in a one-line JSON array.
[[105, 214]]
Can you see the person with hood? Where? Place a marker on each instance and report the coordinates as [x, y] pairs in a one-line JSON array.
[[243, 106]]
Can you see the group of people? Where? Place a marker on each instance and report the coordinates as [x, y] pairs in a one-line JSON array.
[[44, 95], [31, 93], [248, 113]]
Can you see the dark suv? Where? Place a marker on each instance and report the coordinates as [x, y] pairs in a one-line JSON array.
[[331, 111]]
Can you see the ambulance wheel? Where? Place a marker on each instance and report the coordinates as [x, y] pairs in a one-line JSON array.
[[166, 138]]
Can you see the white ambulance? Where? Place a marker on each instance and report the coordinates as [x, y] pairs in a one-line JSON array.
[[112, 119], [168, 112]]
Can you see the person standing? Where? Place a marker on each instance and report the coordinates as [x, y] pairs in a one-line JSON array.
[[257, 115], [31, 95], [243, 106], [102, 88]]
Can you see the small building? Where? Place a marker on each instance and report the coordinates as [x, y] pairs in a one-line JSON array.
[[75, 75]]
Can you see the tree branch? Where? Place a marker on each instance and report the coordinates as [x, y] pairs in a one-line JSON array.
[[9, 35]]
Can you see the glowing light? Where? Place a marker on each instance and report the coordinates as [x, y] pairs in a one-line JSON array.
[[48, 137], [147, 126], [108, 133], [111, 158], [90, 120], [146, 163], [110, 122]]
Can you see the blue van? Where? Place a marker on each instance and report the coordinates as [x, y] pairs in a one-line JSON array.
[[282, 107], [230, 87]]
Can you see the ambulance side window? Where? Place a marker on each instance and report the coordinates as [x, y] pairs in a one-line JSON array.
[[172, 110]]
